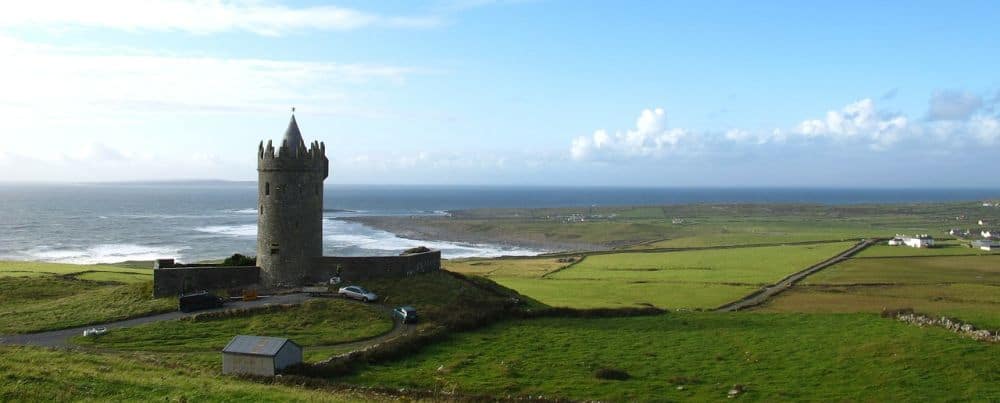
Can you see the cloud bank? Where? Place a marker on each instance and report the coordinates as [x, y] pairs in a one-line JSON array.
[[955, 120], [198, 16]]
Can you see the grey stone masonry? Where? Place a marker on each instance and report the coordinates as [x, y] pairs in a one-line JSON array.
[[358, 268], [171, 280], [290, 208]]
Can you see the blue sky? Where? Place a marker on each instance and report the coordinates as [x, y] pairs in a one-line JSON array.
[[870, 94]]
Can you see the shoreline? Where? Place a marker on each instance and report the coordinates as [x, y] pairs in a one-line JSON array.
[[411, 227]]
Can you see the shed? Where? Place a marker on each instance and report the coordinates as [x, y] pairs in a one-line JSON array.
[[259, 355]]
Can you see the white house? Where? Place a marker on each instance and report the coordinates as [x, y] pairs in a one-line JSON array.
[[986, 244], [919, 241], [989, 233], [984, 222], [258, 355]]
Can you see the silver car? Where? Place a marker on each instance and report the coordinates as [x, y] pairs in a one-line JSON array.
[[358, 293]]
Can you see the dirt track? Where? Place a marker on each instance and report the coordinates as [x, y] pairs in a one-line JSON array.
[[763, 295]]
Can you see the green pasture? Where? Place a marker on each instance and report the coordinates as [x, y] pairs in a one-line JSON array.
[[912, 270], [963, 287], [682, 279], [611, 293], [17, 269], [701, 225], [700, 356], [949, 247], [517, 267], [314, 323]]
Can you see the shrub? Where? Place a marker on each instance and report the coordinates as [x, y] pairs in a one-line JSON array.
[[612, 374], [239, 260]]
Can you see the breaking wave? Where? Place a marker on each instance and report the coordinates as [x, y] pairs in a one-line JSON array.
[[105, 253], [241, 230]]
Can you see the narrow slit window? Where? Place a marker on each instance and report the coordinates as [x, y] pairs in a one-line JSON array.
[[267, 188]]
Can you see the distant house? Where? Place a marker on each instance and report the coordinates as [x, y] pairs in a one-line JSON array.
[[258, 355], [990, 233], [984, 222], [919, 241], [958, 232], [986, 244]]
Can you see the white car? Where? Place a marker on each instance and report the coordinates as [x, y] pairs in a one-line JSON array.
[[358, 293], [95, 331]]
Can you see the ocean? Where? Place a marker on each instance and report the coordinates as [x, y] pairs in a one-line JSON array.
[[104, 223]]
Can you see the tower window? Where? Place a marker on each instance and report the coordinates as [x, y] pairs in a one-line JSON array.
[[261, 209], [267, 188]]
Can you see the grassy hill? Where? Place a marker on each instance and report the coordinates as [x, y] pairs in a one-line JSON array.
[[700, 356]]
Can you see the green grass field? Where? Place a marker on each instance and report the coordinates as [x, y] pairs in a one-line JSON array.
[[963, 287], [15, 268], [698, 225], [681, 279], [315, 323], [778, 357], [36, 375], [37, 304], [942, 248]]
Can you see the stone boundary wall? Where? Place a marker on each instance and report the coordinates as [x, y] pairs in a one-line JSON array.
[[954, 325], [357, 268], [172, 281]]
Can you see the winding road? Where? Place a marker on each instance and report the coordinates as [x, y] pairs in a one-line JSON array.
[[763, 295], [61, 338]]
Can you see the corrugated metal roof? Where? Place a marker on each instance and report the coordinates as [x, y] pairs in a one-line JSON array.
[[256, 345]]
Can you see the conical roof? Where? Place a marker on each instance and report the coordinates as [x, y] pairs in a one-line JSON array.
[[293, 138]]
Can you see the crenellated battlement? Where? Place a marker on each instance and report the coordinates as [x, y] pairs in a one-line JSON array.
[[292, 154]]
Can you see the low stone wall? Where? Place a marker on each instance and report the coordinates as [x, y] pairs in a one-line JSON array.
[[357, 268], [962, 328], [170, 281]]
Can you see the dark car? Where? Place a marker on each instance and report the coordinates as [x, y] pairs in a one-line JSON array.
[[199, 300], [407, 314]]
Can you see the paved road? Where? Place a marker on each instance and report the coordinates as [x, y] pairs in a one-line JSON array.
[[60, 338], [758, 298]]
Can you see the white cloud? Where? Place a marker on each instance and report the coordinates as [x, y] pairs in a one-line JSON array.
[[857, 121], [986, 129], [953, 105], [42, 77], [196, 16], [858, 124], [650, 138]]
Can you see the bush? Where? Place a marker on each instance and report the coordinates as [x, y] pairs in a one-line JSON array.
[[611, 374], [239, 260]]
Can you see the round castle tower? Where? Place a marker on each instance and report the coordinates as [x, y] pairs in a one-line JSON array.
[[290, 208]]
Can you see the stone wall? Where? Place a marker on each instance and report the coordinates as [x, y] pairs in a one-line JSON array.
[[170, 280], [353, 269]]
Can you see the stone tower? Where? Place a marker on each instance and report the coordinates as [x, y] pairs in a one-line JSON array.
[[290, 208]]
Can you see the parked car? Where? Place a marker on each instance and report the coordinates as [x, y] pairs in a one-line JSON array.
[[199, 300], [94, 331], [407, 314], [358, 293]]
